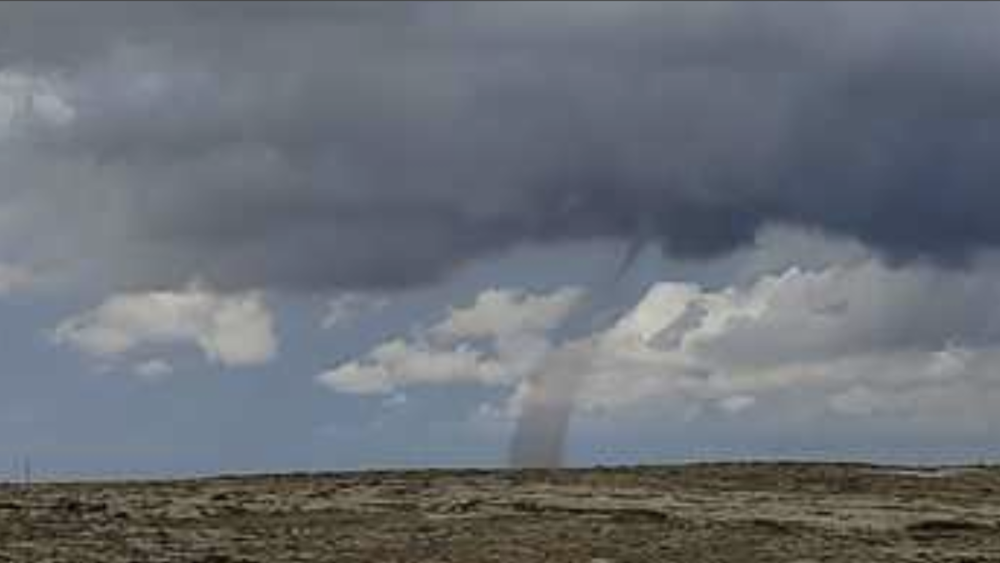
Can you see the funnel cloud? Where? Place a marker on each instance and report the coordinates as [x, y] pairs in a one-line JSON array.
[[549, 393]]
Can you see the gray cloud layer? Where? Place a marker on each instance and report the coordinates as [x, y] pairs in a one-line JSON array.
[[309, 146]]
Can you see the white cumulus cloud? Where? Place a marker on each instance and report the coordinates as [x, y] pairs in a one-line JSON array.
[[494, 341], [509, 312], [27, 98], [234, 330], [349, 306], [399, 363], [855, 339], [153, 370]]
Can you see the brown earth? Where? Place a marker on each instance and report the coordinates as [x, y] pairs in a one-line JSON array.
[[745, 513]]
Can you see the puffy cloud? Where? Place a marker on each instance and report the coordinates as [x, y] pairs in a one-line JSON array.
[[28, 98], [736, 403], [347, 307], [152, 370], [495, 341], [858, 339], [398, 363], [211, 141], [845, 340], [234, 330], [500, 313]]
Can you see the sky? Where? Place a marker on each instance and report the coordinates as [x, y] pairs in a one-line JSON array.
[[242, 237]]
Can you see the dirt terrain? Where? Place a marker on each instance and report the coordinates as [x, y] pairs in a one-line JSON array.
[[699, 513]]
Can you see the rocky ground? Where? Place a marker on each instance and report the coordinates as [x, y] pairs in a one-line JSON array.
[[702, 513]]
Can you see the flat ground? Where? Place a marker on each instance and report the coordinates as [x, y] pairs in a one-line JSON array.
[[741, 513]]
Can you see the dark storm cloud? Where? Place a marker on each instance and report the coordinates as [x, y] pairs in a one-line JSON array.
[[315, 145]]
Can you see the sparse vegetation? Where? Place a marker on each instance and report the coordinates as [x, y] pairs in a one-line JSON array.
[[741, 513]]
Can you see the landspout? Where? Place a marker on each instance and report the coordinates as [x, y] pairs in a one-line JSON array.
[[539, 439]]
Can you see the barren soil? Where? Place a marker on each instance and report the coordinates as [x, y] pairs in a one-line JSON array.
[[700, 513]]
